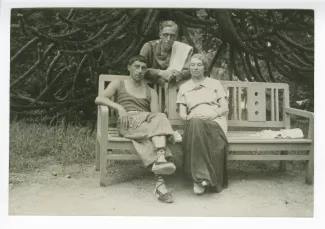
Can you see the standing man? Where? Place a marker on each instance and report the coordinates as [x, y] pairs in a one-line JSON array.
[[167, 58]]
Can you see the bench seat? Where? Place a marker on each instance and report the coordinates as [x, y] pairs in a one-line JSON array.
[[232, 136]]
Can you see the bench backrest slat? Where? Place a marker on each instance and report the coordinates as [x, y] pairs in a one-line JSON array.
[[251, 104]]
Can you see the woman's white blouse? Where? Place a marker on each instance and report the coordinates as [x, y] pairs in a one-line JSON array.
[[202, 98]]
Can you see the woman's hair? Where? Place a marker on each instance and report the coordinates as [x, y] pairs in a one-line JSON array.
[[204, 61], [167, 24]]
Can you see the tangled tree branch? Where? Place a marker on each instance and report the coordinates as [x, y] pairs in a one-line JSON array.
[[33, 68], [27, 45], [259, 45]]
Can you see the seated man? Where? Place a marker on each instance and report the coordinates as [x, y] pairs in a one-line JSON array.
[[139, 119], [167, 58]]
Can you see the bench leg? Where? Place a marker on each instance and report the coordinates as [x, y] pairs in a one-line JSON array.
[[103, 167], [283, 164], [310, 167], [97, 155]]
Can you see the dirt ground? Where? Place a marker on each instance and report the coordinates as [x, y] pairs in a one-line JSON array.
[[74, 190]]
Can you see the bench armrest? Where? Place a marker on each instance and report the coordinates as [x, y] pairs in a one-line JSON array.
[[301, 113], [102, 121], [305, 114]]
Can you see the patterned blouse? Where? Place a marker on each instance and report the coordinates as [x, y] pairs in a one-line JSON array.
[[203, 98]]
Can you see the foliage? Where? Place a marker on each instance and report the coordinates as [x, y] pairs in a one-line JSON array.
[[58, 54]]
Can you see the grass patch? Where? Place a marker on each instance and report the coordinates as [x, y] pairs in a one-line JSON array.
[[33, 145]]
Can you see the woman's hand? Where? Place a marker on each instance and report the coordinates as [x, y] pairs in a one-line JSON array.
[[217, 110], [199, 116], [205, 112]]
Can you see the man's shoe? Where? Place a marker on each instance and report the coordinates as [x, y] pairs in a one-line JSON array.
[[163, 168], [166, 197]]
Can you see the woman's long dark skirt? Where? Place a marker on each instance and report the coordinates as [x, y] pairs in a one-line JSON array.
[[205, 149]]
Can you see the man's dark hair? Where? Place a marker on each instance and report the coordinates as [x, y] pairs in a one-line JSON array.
[[138, 58]]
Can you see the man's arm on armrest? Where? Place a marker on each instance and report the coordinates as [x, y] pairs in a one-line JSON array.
[[104, 97]]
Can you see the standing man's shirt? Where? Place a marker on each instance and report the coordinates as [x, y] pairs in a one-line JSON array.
[[157, 61]]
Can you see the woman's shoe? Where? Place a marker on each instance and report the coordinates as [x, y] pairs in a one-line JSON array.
[[163, 168], [166, 197], [198, 188], [205, 183]]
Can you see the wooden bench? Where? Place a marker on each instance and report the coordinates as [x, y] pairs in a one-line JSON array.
[[253, 107]]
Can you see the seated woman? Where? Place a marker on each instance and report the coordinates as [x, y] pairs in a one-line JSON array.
[[202, 103], [140, 120]]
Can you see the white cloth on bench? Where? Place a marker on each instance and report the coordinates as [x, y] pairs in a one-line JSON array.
[[283, 133]]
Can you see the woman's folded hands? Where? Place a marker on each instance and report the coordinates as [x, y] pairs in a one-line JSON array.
[[208, 112]]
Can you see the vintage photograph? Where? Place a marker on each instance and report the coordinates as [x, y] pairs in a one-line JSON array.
[[183, 112]]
